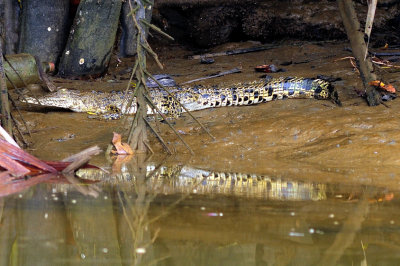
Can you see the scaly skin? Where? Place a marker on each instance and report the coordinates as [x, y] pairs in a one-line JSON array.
[[193, 98]]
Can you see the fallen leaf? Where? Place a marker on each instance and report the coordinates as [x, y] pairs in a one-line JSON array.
[[121, 147], [379, 84], [17, 154], [12, 166]]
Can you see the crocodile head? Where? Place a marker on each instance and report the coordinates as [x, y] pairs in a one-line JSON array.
[[64, 98]]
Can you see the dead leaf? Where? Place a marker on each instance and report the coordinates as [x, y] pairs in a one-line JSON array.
[[121, 147], [22, 156], [383, 86], [13, 166]]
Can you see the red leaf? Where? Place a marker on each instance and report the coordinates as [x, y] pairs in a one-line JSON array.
[[20, 155]]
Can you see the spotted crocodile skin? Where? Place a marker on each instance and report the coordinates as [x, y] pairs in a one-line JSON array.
[[193, 98]]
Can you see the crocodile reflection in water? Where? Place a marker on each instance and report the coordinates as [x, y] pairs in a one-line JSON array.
[[185, 179]]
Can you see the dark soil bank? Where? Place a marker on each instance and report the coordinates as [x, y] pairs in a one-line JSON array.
[[208, 23]]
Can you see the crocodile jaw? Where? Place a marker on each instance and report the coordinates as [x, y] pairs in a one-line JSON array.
[[63, 98]]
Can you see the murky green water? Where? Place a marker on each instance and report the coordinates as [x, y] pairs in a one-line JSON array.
[[179, 215]]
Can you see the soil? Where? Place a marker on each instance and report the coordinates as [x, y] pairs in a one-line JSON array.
[[305, 138], [206, 23]]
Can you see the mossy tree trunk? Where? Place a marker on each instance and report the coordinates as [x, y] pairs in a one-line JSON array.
[[44, 27], [91, 39]]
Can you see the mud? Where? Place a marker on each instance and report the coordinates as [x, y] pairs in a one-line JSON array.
[[302, 138]]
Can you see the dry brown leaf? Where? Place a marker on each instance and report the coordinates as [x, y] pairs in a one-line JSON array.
[[383, 86], [121, 147]]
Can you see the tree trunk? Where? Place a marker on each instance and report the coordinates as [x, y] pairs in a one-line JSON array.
[[356, 37], [44, 25], [5, 105], [127, 45], [11, 17], [91, 40]]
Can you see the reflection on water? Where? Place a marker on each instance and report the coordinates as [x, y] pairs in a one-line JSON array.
[[179, 215], [186, 179]]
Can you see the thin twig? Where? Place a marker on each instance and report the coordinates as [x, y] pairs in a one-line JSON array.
[[159, 137], [24, 141], [15, 71], [151, 52], [148, 145], [157, 29], [173, 96], [20, 115], [129, 85], [220, 74], [237, 51], [169, 124], [43, 76]]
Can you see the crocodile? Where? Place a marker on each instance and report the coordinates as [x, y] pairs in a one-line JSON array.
[[192, 98]]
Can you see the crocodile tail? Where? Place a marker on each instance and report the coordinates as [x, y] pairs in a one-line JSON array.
[[324, 90]]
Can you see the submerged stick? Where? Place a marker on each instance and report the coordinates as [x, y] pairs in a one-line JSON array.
[[220, 74]]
